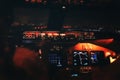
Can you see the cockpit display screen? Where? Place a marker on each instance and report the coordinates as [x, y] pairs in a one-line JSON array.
[[56, 59], [80, 58]]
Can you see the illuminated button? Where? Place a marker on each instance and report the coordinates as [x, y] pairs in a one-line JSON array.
[[63, 7], [75, 60], [40, 57], [42, 34], [55, 34], [75, 64], [67, 68], [62, 34], [74, 75]]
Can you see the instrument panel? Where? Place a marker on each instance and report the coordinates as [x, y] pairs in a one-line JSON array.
[[80, 61], [63, 53], [57, 35]]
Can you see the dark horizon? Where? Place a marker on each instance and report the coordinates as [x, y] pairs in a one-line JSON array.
[[69, 17]]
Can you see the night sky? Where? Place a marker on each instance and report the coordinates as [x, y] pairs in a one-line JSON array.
[[106, 13], [31, 15], [72, 17], [92, 16]]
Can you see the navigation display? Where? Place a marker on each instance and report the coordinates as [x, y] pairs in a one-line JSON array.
[[87, 58], [94, 57], [80, 58], [97, 57]]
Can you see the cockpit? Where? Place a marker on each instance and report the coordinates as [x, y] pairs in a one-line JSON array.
[[60, 40]]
